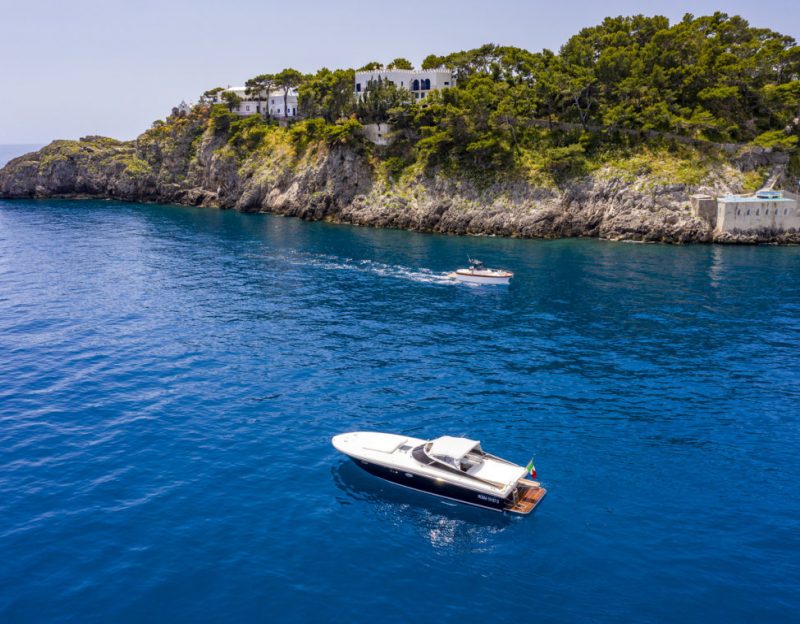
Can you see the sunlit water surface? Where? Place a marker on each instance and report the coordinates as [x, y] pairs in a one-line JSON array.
[[170, 379]]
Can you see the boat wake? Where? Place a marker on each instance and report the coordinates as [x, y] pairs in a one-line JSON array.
[[376, 268]]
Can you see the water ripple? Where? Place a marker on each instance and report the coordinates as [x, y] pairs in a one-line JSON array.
[[171, 378]]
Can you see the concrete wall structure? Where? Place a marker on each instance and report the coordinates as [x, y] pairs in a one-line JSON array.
[[378, 133], [742, 214], [420, 83], [705, 207]]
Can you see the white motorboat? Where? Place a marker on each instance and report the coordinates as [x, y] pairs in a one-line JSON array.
[[477, 273], [453, 468]]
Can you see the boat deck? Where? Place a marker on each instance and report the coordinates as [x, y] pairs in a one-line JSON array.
[[530, 496]]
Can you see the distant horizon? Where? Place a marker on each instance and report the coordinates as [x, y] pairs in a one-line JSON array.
[[105, 68]]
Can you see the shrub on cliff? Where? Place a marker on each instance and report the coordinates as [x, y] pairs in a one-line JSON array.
[[776, 138], [343, 132], [220, 118], [247, 134]]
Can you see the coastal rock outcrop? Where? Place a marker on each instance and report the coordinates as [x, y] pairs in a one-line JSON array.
[[191, 162]]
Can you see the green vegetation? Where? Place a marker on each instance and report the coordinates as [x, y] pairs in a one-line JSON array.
[[210, 96], [776, 138], [328, 94], [382, 102], [636, 95], [231, 100], [286, 80], [346, 132], [659, 164], [262, 86], [135, 166], [400, 63], [753, 180]]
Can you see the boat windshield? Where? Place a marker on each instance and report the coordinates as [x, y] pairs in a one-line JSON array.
[[471, 462]]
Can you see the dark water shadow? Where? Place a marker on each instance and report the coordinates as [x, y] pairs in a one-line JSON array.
[[444, 523]]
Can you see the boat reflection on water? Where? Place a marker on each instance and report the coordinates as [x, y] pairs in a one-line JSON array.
[[445, 524]]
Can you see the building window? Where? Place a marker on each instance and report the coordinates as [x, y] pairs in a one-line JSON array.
[[426, 84], [446, 84], [358, 87], [415, 85], [748, 212], [758, 211], [738, 211]]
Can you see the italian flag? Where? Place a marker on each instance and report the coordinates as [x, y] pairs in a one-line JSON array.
[[531, 469]]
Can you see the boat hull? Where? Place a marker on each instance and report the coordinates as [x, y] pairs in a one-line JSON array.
[[480, 279], [437, 487]]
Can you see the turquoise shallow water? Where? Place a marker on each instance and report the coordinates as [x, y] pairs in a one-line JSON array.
[[170, 378]]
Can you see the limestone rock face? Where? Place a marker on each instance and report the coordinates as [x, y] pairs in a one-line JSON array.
[[189, 162], [91, 167]]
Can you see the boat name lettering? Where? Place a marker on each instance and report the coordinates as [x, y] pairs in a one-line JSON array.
[[491, 499]]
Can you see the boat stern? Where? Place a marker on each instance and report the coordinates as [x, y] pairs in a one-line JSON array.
[[528, 496]]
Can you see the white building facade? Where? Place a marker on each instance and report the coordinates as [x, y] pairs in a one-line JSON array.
[[766, 210], [260, 104], [419, 82]]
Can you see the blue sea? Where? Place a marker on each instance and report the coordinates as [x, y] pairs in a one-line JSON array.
[[170, 379]]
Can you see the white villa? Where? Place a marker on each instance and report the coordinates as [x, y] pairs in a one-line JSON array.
[[250, 105], [419, 82]]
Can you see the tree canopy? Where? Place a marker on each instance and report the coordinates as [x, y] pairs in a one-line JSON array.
[[371, 66], [327, 94], [627, 79], [260, 87], [400, 63]]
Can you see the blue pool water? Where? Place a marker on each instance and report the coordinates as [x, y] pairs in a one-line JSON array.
[[170, 379]]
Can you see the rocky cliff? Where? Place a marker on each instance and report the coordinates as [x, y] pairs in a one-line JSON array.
[[190, 161]]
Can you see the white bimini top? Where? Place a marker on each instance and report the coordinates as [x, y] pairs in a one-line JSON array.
[[454, 448]]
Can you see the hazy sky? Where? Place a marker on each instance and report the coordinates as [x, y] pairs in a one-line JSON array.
[[76, 67]]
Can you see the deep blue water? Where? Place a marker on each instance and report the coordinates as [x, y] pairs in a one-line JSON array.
[[170, 379]]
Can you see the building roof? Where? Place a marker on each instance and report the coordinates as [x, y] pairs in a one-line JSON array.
[[437, 70], [447, 446], [273, 91], [753, 199]]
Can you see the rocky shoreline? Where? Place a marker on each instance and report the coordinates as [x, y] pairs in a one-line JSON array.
[[191, 164]]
